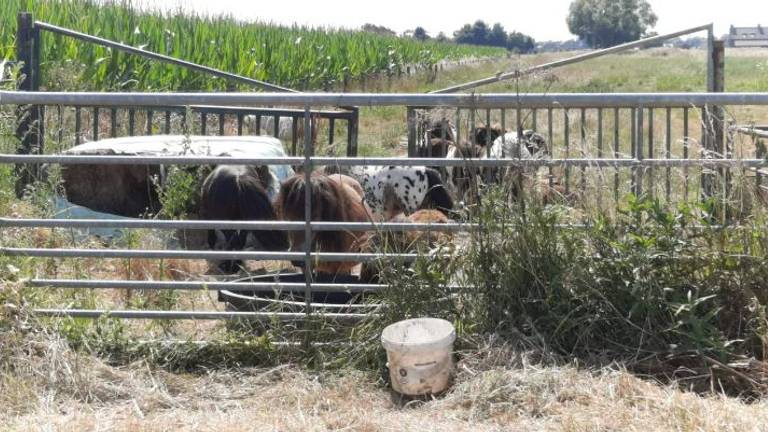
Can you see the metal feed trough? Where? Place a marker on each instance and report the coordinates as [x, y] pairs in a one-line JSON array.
[[638, 137]]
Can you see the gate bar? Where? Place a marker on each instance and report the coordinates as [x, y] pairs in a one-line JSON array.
[[195, 315], [345, 161], [461, 100], [205, 285], [156, 56], [571, 60], [202, 254], [235, 225], [211, 285]]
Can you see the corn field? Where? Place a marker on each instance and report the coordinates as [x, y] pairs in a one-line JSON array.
[[298, 57]]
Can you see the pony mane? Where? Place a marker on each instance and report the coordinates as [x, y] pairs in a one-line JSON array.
[[331, 202], [237, 192]]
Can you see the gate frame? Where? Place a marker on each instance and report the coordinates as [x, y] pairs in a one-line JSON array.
[[31, 133], [647, 100]]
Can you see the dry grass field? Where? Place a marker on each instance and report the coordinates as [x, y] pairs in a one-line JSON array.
[[496, 389]]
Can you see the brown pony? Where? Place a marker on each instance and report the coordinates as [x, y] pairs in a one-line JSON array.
[[394, 212], [335, 198], [402, 241]]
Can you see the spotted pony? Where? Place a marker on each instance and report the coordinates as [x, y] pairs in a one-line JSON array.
[[416, 188]]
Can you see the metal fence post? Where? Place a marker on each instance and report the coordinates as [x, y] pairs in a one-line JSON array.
[[637, 173], [29, 130], [710, 58], [352, 131], [714, 119], [411, 120], [718, 121], [308, 213]]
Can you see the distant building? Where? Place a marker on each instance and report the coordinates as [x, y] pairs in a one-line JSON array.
[[748, 37], [554, 46], [695, 42]]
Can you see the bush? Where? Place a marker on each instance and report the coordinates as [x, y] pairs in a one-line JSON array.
[[180, 194], [657, 288]]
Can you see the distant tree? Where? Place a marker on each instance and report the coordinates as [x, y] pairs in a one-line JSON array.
[[497, 36], [520, 43], [604, 23], [420, 34], [463, 35], [441, 37], [475, 34], [480, 34], [373, 28]]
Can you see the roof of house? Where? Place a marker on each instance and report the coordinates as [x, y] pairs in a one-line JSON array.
[[759, 32]]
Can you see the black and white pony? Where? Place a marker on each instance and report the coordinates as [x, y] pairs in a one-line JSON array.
[[416, 188], [485, 134], [240, 193], [528, 145], [459, 177]]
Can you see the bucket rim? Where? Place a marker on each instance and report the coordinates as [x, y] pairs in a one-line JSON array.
[[439, 342]]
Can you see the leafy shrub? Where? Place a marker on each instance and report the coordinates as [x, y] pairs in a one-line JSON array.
[[655, 287]]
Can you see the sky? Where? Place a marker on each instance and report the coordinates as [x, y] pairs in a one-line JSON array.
[[541, 19]]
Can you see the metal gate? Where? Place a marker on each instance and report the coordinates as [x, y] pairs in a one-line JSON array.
[[643, 164]]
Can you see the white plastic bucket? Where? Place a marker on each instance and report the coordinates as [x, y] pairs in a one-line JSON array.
[[419, 355]]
